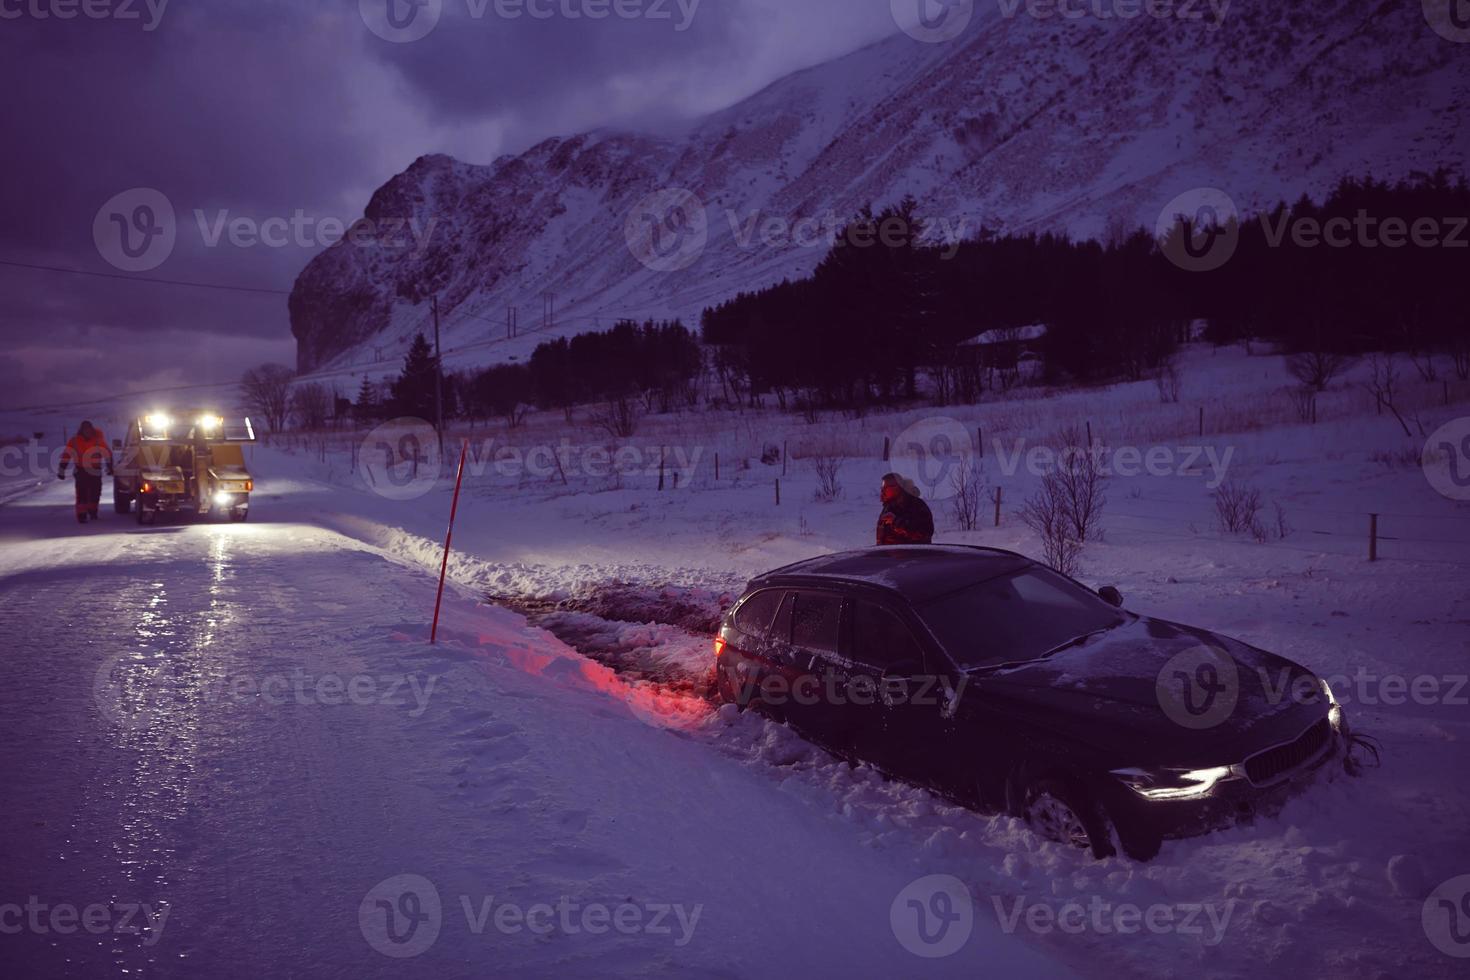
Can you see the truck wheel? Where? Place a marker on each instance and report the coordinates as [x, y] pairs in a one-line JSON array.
[[122, 502], [240, 514]]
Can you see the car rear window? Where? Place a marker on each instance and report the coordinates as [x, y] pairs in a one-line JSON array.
[[755, 613], [815, 622], [1015, 617]]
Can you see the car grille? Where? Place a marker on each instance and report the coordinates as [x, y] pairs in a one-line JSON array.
[[1263, 767]]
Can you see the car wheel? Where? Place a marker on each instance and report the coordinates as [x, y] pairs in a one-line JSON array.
[[725, 686], [1064, 814], [240, 514], [121, 502]]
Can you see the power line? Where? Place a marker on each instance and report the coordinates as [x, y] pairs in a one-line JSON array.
[[149, 279]]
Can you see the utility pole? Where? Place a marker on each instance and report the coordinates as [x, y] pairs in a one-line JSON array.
[[438, 382]]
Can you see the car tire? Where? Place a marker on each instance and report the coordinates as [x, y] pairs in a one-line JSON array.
[[240, 514], [122, 502], [1059, 811], [725, 688]]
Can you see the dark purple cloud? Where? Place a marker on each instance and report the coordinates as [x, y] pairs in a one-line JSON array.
[[295, 112]]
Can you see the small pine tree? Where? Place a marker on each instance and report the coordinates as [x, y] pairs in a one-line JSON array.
[[413, 392], [366, 407]]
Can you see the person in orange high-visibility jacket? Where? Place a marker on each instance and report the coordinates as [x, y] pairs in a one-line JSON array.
[[87, 452]]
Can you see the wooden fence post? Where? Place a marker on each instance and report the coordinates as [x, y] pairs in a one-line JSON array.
[[717, 467], [997, 506], [1372, 537], [778, 491], [885, 448]]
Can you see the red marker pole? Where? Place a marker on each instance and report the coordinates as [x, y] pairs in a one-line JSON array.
[[448, 536]]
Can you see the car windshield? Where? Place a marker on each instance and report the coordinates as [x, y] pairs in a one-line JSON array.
[[1015, 617]]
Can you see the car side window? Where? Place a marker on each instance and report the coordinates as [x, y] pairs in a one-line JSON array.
[[881, 639], [755, 613], [815, 621], [781, 629]]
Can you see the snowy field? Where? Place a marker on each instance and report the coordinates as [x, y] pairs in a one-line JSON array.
[[241, 733]]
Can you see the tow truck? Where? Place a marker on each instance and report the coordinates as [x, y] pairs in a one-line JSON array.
[[185, 462]]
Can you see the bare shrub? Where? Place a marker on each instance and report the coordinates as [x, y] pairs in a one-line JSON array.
[[828, 486], [1079, 480], [311, 403], [1459, 349], [1410, 458], [1170, 381], [619, 418], [1283, 529], [1238, 508], [1047, 513], [1383, 384], [1317, 368], [1067, 511], [267, 390], [968, 483], [1304, 401]]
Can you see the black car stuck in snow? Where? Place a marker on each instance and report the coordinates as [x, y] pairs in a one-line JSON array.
[[1011, 688]]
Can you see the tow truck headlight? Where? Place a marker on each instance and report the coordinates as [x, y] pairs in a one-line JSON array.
[[223, 498], [1173, 784], [158, 422], [209, 423]]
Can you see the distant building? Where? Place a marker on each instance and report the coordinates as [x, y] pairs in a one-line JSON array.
[[1024, 338], [1014, 351]]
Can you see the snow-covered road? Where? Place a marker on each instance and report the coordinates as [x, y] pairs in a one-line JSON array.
[[230, 751]]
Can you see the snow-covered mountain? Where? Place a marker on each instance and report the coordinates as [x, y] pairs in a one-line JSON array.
[[1020, 123]]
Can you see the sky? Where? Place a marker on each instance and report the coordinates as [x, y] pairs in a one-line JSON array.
[[263, 125]]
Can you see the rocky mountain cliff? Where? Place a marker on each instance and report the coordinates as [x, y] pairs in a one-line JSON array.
[[1019, 123]]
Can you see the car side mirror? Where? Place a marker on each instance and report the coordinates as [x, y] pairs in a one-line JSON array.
[[1111, 595]]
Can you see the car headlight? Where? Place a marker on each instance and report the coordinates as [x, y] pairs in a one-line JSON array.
[[1334, 709], [1172, 784]]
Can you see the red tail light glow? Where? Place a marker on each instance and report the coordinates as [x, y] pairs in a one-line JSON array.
[[719, 644]]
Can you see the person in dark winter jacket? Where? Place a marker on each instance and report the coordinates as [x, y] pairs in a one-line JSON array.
[[906, 518], [88, 453]]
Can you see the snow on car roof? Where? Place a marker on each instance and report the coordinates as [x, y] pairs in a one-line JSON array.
[[916, 572]]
